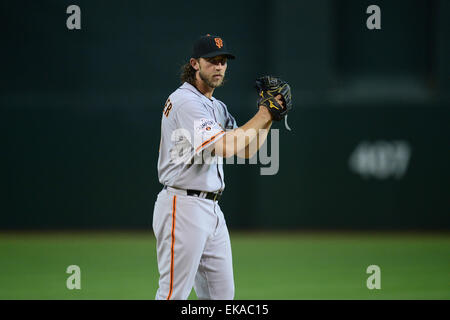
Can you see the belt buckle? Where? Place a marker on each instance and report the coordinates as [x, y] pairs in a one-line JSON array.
[[218, 194]]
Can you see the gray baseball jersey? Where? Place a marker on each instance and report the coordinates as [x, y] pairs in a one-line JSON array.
[[191, 122], [192, 240]]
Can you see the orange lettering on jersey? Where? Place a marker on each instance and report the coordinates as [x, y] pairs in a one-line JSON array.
[[167, 108], [219, 42]]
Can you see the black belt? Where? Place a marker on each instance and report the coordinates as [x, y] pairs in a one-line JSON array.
[[215, 196]]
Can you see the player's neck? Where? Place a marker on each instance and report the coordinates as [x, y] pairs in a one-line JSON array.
[[206, 90]]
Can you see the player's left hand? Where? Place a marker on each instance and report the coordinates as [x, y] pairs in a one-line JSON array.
[[275, 95]]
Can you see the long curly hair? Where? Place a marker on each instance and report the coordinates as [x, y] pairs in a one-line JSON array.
[[187, 74]]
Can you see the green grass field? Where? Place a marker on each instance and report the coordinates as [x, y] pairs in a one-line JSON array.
[[122, 265]]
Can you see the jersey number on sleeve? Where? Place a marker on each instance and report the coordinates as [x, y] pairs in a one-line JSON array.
[[167, 108]]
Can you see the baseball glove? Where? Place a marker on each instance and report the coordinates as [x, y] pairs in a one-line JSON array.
[[268, 88]]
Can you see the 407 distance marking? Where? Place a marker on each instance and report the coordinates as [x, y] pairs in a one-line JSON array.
[[230, 309]]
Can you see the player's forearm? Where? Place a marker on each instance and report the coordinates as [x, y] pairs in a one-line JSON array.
[[252, 148], [235, 141]]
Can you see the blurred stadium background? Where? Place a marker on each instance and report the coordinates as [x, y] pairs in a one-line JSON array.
[[364, 175]]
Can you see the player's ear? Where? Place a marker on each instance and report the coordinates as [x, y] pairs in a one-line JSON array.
[[194, 63]]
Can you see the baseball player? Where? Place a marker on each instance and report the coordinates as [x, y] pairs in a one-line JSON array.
[[193, 244]]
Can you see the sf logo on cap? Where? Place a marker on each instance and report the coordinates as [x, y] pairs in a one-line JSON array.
[[219, 42]]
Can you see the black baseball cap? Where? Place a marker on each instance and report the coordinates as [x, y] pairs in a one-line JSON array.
[[210, 46]]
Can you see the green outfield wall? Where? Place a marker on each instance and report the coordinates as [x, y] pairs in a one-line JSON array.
[[369, 148]]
